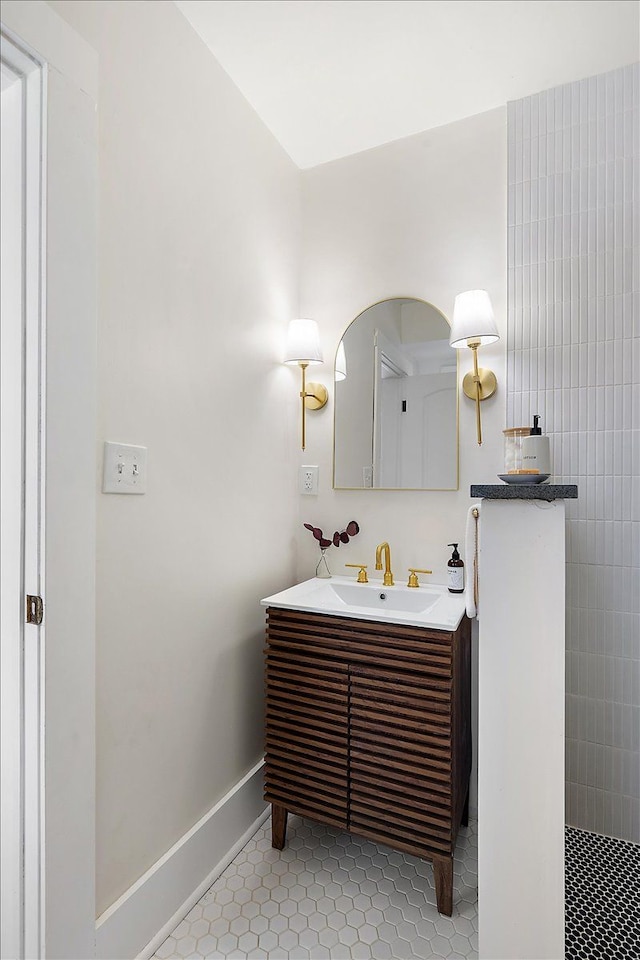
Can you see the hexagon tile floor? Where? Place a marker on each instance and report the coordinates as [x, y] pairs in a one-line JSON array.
[[330, 895]]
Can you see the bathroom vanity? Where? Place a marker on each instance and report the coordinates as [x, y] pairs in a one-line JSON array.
[[368, 723]]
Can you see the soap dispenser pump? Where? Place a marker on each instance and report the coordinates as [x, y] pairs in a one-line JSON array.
[[535, 449], [455, 571]]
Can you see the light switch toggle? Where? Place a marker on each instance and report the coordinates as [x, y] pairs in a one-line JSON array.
[[125, 468]]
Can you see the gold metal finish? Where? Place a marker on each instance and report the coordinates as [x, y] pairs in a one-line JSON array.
[[316, 396], [413, 579], [387, 580], [313, 398], [362, 575], [479, 385]]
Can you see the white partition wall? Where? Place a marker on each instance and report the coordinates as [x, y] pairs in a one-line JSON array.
[[521, 730]]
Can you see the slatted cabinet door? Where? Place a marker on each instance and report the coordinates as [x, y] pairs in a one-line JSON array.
[[400, 760], [306, 733]]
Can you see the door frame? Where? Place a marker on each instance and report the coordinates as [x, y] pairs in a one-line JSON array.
[[26, 720], [70, 133]]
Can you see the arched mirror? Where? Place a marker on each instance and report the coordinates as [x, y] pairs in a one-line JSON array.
[[396, 400]]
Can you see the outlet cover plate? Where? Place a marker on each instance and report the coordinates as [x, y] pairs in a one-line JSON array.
[[308, 480]]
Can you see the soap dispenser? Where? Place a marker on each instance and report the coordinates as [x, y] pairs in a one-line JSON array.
[[455, 571], [535, 449]]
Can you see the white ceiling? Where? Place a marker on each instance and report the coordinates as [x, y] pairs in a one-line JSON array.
[[333, 77]]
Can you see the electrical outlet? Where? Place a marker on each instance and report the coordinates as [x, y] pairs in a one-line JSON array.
[[308, 481], [367, 476]]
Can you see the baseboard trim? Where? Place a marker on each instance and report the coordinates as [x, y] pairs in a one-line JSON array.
[[138, 922]]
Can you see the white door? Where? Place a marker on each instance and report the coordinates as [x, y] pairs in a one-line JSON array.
[[21, 408]]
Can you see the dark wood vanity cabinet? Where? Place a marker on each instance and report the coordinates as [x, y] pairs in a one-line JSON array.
[[368, 728]]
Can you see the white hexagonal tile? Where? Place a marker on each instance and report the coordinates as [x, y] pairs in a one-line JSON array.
[[344, 904], [360, 951], [248, 942], [298, 922], [250, 909], [288, 940], [381, 950], [224, 896], [259, 925], [227, 943], [307, 906], [199, 928], [185, 946], [382, 903], [278, 924], [328, 937], [270, 908], [317, 921], [288, 908], [406, 930], [239, 926], [268, 941], [231, 910], [218, 928], [319, 953], [348, 936], [368, 933], [308, 938], [207, 945], [440, 947]]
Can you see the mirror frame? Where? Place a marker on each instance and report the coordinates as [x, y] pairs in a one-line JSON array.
[[376, 303]]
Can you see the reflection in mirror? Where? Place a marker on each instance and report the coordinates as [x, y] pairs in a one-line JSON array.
[[396, 400]]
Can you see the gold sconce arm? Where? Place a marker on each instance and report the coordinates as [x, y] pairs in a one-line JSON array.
[[313, 396], [479, 385]]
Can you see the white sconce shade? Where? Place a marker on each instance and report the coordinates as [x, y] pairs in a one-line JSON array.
[[303, 342], [473, 319], [303, 347], [341, 363]]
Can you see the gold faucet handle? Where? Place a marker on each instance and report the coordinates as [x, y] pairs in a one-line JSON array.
[[413, 579], [362, 568]]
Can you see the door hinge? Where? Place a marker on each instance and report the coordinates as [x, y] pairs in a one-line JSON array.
[[35, 609]]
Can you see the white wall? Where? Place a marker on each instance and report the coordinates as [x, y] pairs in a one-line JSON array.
[[198, 238], [422, 217]]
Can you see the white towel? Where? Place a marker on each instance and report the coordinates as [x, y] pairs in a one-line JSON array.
[[472, 546]]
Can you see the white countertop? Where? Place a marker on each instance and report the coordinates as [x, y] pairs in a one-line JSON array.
[[430, 606]]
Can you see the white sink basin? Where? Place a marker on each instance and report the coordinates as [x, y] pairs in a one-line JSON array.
[[430, 606], [414, 600]]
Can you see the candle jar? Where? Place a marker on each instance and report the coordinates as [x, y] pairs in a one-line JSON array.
[[513, 462]]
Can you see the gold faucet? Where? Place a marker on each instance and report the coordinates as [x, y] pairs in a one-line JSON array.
[[388, 576]]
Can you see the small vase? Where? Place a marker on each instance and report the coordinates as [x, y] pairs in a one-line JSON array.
[[322, 568]]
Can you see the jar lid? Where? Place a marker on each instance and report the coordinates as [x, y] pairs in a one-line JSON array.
[[517, 432]]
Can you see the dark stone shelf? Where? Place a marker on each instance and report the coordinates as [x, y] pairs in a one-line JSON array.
[[525, 491]]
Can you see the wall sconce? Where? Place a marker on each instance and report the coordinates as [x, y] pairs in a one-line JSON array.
[[474, 324], [303, 348]]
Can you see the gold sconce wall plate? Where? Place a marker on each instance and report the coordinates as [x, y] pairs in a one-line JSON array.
[[487, 381], [316, 396]]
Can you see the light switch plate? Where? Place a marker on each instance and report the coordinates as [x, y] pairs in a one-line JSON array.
[[125, 468]]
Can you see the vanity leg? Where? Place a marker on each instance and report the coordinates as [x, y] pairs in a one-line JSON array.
[[278, 826], [465, 812], [443, 876]]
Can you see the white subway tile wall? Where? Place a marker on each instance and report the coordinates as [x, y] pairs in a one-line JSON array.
[[573, 356]]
